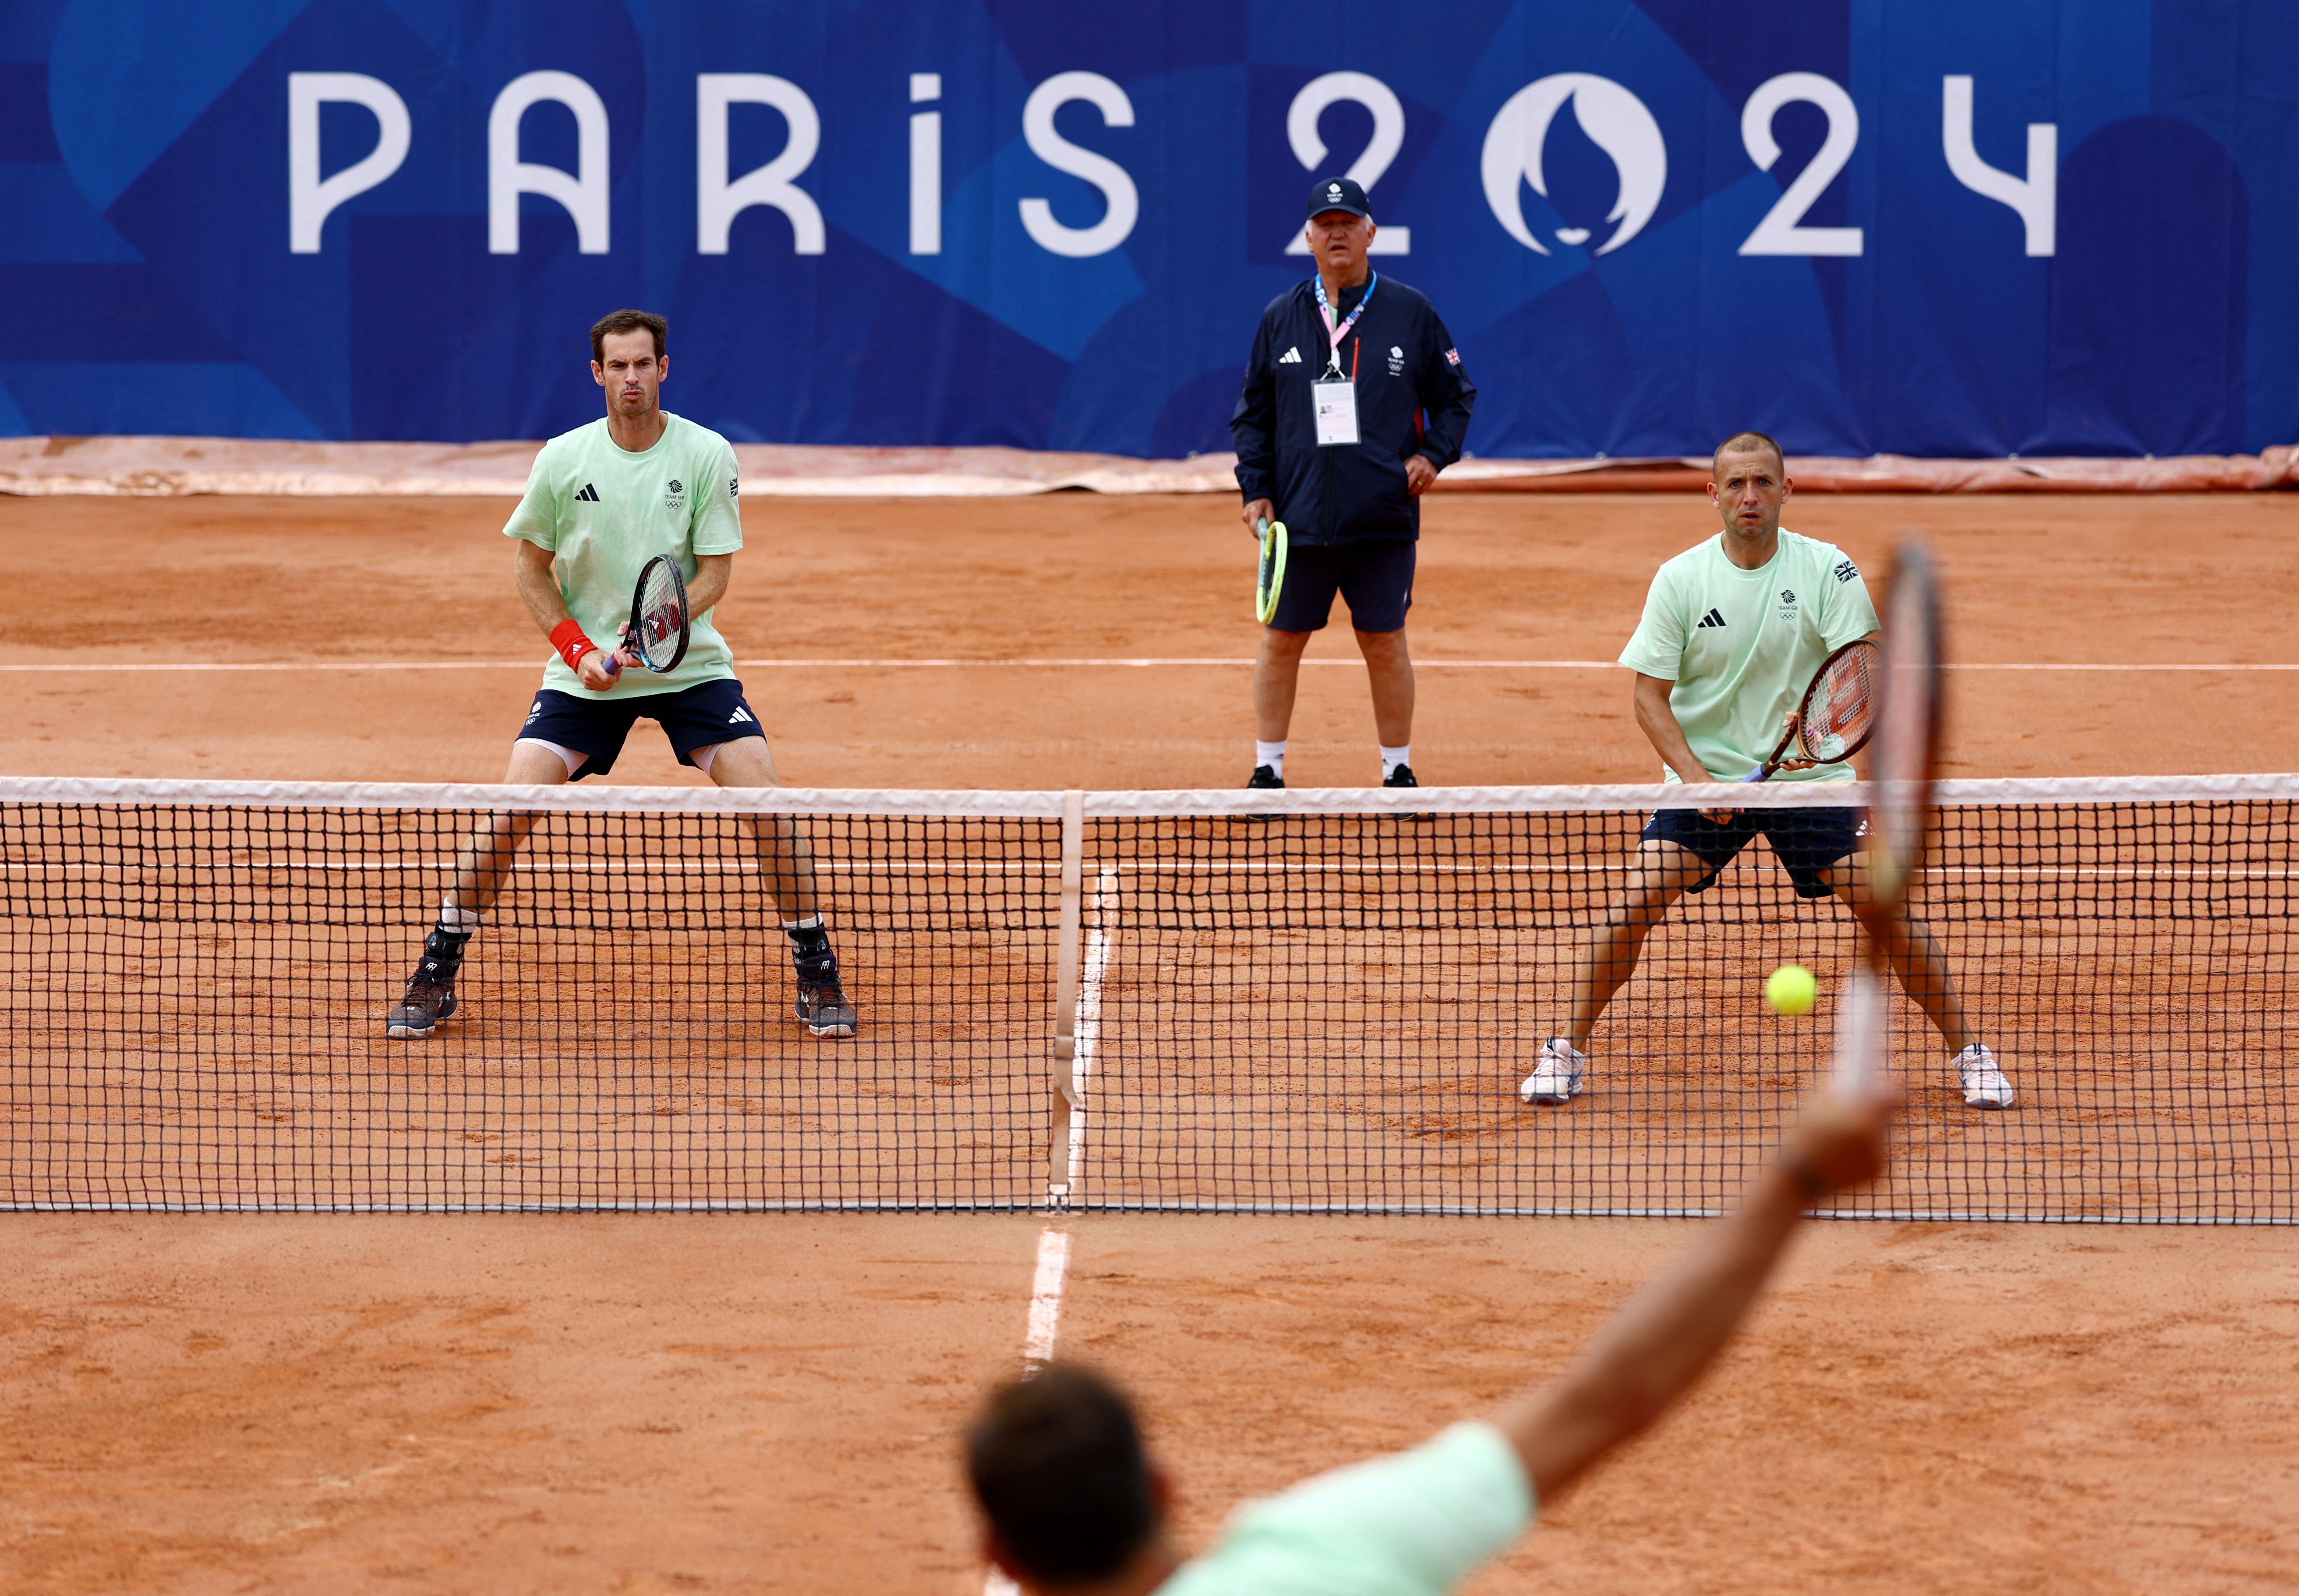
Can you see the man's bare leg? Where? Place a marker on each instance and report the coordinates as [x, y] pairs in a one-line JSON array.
[[1276, 675], [1388, 667], [783, 857], [1661, 873], [787, 865], [1915, 957], [482, 865]]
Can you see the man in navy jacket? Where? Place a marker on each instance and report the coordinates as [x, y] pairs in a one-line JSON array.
[[1354, 400]]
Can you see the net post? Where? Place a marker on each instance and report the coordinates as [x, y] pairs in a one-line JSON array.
[[1063, 1084]]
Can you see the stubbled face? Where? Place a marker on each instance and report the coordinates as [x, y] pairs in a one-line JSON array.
[[631, 372], [1339, 242], [1747, 492]]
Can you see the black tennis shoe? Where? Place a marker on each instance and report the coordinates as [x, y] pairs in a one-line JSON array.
[[1402, 777], [430, 994], [821, 1005], [430, 998], [1265, 776]]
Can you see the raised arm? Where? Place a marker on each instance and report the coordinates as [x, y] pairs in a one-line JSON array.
[[1658, 1345]]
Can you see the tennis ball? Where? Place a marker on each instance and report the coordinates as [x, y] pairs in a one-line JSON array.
[[1791, 989]]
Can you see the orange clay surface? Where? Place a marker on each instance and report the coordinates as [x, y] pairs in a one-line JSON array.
[[507, 1403]]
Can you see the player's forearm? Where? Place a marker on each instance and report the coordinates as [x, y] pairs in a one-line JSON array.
[[713, 573], [1658, 1345], [538, 590], [1659, 724]]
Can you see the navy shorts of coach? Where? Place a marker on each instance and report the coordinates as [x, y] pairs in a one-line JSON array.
[[702, 716], [1806, 841], [1374, 577], [1413, 397]]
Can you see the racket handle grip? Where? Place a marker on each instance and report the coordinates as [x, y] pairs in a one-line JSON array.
[[612, 662], [1758, 773]]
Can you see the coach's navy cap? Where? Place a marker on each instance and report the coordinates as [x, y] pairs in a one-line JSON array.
[[1337, 194]]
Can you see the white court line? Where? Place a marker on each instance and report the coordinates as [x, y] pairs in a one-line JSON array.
[[1051, 664], [1038, 1344], [1046, 1296], [1085, 1034], [1053, 1243]]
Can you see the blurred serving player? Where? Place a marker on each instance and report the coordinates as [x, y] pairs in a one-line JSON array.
[[1733, 630], [1354, 400], [1071, 1504], [600, 501]]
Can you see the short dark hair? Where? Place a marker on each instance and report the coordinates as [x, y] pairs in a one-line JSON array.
[[627, 321], [1054, 1458], [1747, 443]]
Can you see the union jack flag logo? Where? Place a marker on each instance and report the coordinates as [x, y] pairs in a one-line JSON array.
[[1452, 357]]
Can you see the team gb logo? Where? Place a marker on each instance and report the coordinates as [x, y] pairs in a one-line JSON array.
[[1615, 121]]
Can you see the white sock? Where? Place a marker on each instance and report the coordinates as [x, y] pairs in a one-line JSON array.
[[1271, 754], [462, 922], [1391, 757], [807, 923]]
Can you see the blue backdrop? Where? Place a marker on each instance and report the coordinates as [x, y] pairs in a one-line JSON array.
[[1967, 228]]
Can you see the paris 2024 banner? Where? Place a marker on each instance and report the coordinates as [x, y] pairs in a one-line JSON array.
[[1953, 228]]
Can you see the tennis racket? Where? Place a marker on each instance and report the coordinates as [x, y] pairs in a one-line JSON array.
[[1900, 818], [1271, 580], [660, 623], [1837, 713]]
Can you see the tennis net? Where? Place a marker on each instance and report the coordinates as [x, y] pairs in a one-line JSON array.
[[1290, 1001]]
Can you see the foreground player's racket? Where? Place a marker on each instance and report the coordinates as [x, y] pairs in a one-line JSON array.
[[1899, 819], [1837, 713], [1271, 580], [659, 624]]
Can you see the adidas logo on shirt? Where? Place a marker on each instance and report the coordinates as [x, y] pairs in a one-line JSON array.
[[1292, 357], [590, 493], [1712, 619]]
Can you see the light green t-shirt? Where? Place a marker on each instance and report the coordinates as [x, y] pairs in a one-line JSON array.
[[1413, 1523], [605, 511], [1741, 646]]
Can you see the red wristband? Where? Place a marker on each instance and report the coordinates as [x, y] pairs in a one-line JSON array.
[[568, 638]]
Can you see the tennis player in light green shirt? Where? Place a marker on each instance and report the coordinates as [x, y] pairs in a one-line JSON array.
[[1071, 1504], [1733, 631], [600, 501]]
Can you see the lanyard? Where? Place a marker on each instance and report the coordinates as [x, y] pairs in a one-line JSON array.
[[1326, 313]]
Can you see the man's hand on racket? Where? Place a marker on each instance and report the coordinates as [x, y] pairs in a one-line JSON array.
[[1256, 512], [1787, 728], [602, 669]]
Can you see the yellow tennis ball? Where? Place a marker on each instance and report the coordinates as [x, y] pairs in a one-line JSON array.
[[1792, 989]]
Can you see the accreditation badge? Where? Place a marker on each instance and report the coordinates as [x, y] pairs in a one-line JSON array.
[[1336, 403]]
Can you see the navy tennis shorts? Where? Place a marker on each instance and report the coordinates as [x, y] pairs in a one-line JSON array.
[[1807, 841], [1376, 577], [702, 716]]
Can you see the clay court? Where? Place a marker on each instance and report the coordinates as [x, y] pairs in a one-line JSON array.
[[766, 1402]]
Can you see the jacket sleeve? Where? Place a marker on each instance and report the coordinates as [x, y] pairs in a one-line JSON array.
[[1253, 424], [1446, 393]]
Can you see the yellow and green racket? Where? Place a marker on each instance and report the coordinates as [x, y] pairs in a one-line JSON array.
[[1272, 579]]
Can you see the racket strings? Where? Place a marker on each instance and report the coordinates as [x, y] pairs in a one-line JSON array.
[[1841, 705], [658, 610]]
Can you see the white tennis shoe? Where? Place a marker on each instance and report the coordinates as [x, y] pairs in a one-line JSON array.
[[1557, 1077], [1985, 1086]]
